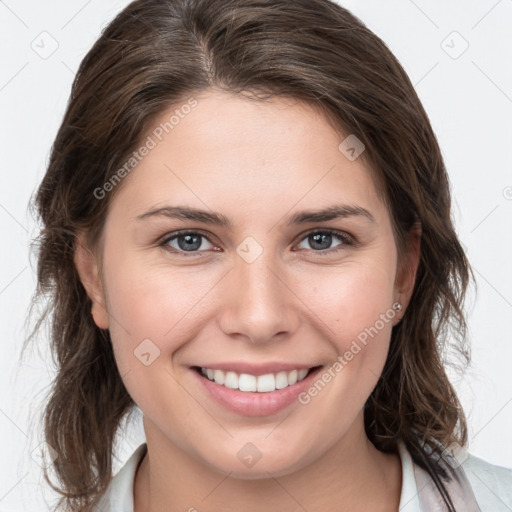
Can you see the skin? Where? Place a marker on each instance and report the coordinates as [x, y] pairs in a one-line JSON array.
[[257, 164]]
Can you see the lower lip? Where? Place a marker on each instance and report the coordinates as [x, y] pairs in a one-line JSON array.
[[256, 404]]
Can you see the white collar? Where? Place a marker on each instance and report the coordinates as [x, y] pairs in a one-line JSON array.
[[409, 500]]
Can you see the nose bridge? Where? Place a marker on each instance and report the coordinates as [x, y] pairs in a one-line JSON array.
[[258, 303], [258, 281]]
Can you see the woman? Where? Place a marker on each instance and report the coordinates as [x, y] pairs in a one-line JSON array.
[[244, 213]]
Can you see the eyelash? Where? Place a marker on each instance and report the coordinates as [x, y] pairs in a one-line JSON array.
[[344, 237]]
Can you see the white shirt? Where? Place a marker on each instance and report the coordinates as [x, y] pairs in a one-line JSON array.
[[491, 485]]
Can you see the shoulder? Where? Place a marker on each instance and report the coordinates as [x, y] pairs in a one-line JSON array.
[[491, 485], [473, 484]]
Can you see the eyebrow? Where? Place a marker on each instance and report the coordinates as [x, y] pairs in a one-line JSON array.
[[214, 218]]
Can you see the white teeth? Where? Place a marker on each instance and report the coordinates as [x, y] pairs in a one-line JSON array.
[[281, 380], [219, 376], [231, 380], [247, 382], [267, 382], [251, 383], [302, 373]]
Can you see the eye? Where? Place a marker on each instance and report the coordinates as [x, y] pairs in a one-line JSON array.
[[321, 240], [185, 242]]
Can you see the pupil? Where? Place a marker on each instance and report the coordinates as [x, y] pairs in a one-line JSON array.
[[318, 238], [189, 245]]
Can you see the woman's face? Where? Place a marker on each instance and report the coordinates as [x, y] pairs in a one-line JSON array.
[[265, 287]]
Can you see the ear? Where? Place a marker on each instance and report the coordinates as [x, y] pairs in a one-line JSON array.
[[88, 270], [408, 266]]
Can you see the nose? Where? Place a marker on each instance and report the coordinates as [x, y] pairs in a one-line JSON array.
[[258, 303]]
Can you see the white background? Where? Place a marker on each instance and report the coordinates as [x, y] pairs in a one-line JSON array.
[[469, 102]]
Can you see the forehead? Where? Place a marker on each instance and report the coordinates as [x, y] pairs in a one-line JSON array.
[[246, 154]]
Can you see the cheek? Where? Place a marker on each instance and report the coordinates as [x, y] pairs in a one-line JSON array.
[[150, 303], [350, 297], [352, 306], [149, 321]]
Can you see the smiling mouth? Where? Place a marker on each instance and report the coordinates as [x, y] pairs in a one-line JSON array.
[[248, 383]]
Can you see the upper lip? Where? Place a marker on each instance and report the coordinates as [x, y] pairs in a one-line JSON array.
[[257, 369]]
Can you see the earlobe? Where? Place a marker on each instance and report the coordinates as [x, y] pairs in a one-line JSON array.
[[88, 270]]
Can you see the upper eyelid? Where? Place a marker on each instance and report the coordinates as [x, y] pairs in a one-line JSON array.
[[174, 234]]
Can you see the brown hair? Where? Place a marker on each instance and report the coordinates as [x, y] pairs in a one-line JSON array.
[[158, 53]]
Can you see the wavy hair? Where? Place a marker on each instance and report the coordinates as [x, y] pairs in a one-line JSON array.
[[157, 53]]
